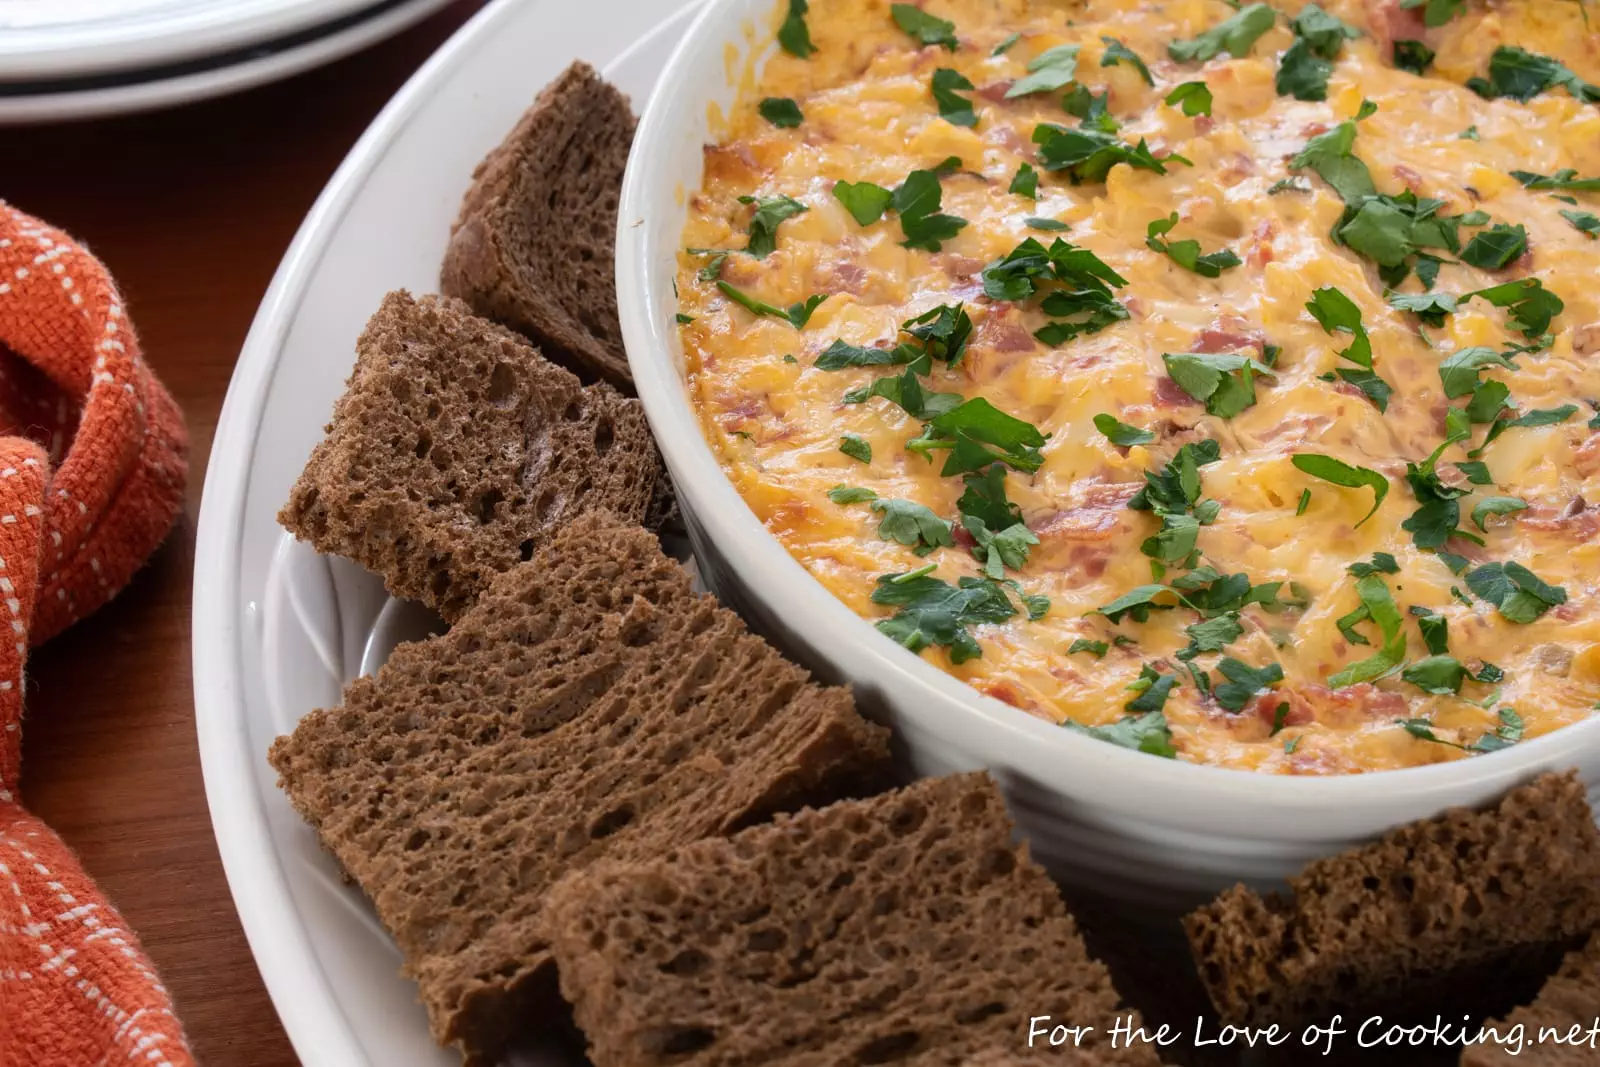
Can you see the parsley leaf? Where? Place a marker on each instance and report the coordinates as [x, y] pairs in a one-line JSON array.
[[840, 355], [1343, 474], [1438, 674], [944, 331], [1048, 71], [1097, 649], [769, 214], [999, 549], [1496, 505], [1193, 97], [1147, 733], [985, 499], [1435, 12], [1413, 56], [1531, 305], [953, 107], [1585, 222], [1087, 155], [1224, 382], [917, 201], [1005, 46], [1244, 682], [1566, 178], [1380, 609], [1234, 35], [906, 391], [1332, 156], [850, 494], [1186, 254], [1523, 75], [1382, 563], [1493, 248], [1515, 590], [908, 523], [967, 428], [856, 447], [1120, 433], [1458, 372], [1117, 52], [924, 27], [1303, 71], [1334, 311], [933, 612], [1137, 603], [1508, 733], [781, 111], [1026, 182], [1431, 308], [797, 315], [793, 34], [1045, 225], [865, 201]]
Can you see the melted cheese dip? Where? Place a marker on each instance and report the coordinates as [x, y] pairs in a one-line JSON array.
[[869, 115]]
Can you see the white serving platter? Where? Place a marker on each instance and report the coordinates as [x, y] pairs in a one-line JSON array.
[[169, 86], [279, 630]]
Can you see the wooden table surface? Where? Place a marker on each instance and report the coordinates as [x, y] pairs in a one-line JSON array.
[[191, 210]]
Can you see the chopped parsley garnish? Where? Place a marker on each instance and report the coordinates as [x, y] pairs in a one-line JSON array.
[[1416, 57], [684, 320], [1436, 12], [1343, 474], [856, 447], [1233, 35], [917, 202], [976, 434], [1026, 182], [1211, 635], [1522, 75], [911, 524], [1566, 178], [1193, 97], [1048, 71], [1005, 46], [1045, 225], [1244, 682], [1431, 308], [1435, 630], [1120, 433], [1116, 52], [944, 331], [1097, 649], [865, 201], [781, 111], [850, 494], [999, 549], [1173, 495], [1585, 222], [1436, 519], [953, 107], [1136, 603], [1458, 372], [906, 391], [1519, 594], [1305, 502], [924, 27], [1332, 155], [1087, 155], [1304, 69], [985, 498], [1381, 563], [1335, 312], [1377, 606], [793, 35], [1531, 305], [1439, 674], [1506, 734], [1147, 733], [1186, 254], [1496, 505], [933, 612], [1224, 382], [840, 355], [770, 213], [1083, 303], [1475, 472], [796, 315], [1495, 247]]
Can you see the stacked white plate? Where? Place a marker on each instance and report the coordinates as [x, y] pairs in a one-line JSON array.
[[72, 59]]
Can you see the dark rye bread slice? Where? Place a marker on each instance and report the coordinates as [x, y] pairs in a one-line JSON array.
[[903, 929], [457, 450], [1425, 919], [534, 244], [590, 705], [1559, 1029]]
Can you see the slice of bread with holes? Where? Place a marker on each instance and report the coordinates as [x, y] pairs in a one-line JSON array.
[[1546, 1033], [908, 928], [533, 246], [1430, 918], [457, 450], [590, 705]]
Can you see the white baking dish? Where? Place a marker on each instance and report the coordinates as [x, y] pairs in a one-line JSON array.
[[1108, 818]]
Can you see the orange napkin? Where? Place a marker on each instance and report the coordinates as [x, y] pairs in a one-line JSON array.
[[75, 987]]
